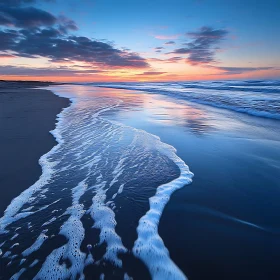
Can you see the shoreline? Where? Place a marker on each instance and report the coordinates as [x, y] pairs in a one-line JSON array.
[[27, 115], [223, 202]]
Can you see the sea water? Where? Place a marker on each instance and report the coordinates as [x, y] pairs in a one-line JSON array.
[[86, 179]]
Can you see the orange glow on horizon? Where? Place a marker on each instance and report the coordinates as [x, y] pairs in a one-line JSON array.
[[261, 74]]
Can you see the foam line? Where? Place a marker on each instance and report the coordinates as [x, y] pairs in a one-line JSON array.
[[17, 275], [149, 247], [104, 218], [74, 231], [34, 263], [11, 213], [92, 154], [36, 245]]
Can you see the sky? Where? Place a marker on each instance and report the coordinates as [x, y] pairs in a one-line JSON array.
[[125, 40]]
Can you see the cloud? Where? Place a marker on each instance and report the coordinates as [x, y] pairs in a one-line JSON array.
[[159, 49], [12, 14], [52, 44], [151, 73], [6, 55], [202, 48], [25, 17], [44, 71], [8, 38], [174, 59], [36, 33], [66, 24], [170, 43], [240, 70]]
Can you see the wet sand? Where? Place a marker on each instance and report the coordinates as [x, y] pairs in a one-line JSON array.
[[27, 114], [225, 225]]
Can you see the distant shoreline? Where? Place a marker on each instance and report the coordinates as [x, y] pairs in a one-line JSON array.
[[21, 83]]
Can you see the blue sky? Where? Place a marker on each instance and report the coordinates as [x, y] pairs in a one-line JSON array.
[[250, 39]]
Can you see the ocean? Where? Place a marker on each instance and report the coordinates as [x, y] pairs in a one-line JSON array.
[[154, 180]]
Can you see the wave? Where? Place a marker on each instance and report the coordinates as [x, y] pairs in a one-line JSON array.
[[257, 98], [86, 176]]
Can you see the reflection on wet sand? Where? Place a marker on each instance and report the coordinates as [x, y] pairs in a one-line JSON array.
[[198, 119], [163, 111], [170, 113]]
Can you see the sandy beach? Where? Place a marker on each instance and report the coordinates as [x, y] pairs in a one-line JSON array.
[[27, 114]]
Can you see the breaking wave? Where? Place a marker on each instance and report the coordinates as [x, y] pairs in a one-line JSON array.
[[257, 98]]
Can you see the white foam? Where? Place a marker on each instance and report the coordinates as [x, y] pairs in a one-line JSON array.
[[36, 245], [14, 245], [34, 263], [17, 275], [74, 231], [257, 103], [127, 277], [49, 222], [55, 265], [27, 209], [11, 213], [7, 254], [104, 219], [149, 247], [120, 190], [14, 236], [22, 261]]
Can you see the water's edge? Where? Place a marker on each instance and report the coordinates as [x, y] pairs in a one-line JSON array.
[[148, 247]]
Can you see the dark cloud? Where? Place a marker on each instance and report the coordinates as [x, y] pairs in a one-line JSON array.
[[174, 59], [158, 49], [44, 71], [203, 46], [25, 17], [240, 70], [65, 24], [6, 55], [13, 14], [151, 73], [50, 43], [36, 33], [170, 43], [30, 17], [8, 38]]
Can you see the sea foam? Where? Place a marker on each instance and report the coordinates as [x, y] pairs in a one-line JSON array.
[[94, 156]]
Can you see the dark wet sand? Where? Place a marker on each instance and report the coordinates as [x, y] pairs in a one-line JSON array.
[[26, 117]]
